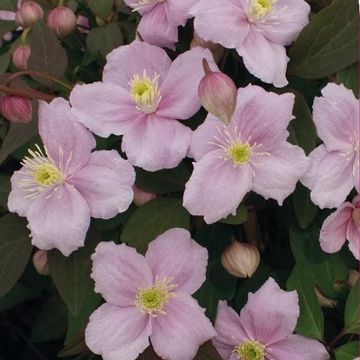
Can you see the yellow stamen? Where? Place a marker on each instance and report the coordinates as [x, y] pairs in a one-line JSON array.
[[250, 350], [260, 8], [239, 153]]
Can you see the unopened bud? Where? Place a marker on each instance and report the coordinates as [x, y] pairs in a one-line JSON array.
[[83, 24], [217, 94], [21, 56], [28, 14], [62, 21], [16, 109], [40, 262], [141, 197], [240, 259], [216, 49], [324, 301]]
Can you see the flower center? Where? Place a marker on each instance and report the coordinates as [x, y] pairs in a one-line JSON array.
[[260, 8], [145, 93], [239, 153], [250, 350], [47, 174]]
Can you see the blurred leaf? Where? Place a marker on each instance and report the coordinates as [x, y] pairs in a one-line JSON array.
[[15, 250], [350, 78], [9, 5], [100, 8], [17, 295], [74, 347], [152, 219], [4, 62], [207, 351], [6, 26], [348, 351], [328, 43], [4, 189], [239, 218], [352, 308]]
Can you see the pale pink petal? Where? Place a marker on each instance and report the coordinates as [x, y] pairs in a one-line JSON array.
[[179, 90], [270, 314], [106, 184], [144, 8], [67, 142], [104, 108], [178, 334], [222, 22], [276, 174], [179, 11], [296, 347], [126, 61], [119, 271], [59, 218], [333, 231], [264, 59], [174, 254], [216, 187], [7, 15], [156, 143], [336, 116], [353, 235], [118, 333]]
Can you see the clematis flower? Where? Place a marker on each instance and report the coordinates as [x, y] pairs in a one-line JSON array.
[[263, 331], [149, 296], [8, 16], [141, 96], [334, 169], [250, 153], [160, 19], [259, 30], [58, 189], [342, 225]]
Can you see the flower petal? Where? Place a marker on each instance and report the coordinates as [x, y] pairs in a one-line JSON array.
[[262, 317], [179, 11], [119, 271], [174, 254], [178, 334], [104, 108], [216, 188], [59, 218], [156, 143], [118, 332], [353, 235]]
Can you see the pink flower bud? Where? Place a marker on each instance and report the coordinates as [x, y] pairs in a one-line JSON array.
[[141, 197], [16, 109], [28, 14], [83, 24], [240, 259], [21, 56], [216, 49], [40, 262], [62, 21], [217, 94]]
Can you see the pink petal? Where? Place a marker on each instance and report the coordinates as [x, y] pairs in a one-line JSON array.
[[264, 59], [353, 235], [126, 61], [7, 15], [336, 116], [222, 22], [276, 174], [156, 143], [296, 347], [174, 254], [59, 218], [333, 231], [179, 11], [178, 334], [67, 142], [106, 184], [179, 90], [119, 271], [143, 9], [270, 314], [216, 188], [118, 332]]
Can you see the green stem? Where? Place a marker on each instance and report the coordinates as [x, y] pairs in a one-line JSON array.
[[336, 339], [24, 36]]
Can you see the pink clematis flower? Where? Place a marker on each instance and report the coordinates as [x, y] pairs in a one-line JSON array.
[[149, 296], [8, 16], [342, 225], [259, 30], [141, 96], [250, 153], [263, 331], [334, 169], [160, 19], [60, 188]]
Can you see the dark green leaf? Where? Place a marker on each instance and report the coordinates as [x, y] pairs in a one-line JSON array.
[[352, 309], [4, 190], [348, 351], [6, 26], [18, 294], [207, 351], [4, 62], [100, 8], [9, 5], [350, 78], [239, 218], [74, 347]]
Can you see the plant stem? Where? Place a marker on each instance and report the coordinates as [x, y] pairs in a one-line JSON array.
[[336, 339], [31, 94]]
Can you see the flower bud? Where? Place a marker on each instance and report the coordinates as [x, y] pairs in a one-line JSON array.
[[141, 197], [40, 262], [16, 109], [62, 21], [216, 49], [217, 94], [324, 301], [21, 56], [83, 24], [28, 14], [240, 259]]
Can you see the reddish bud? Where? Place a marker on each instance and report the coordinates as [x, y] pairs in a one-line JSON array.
[[141, 197], [16, 109], [21, 56], [62, 21], [28, 14], [40, 262], [217, 94]]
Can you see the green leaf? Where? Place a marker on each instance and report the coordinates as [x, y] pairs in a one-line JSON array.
[[348, 351], [350, 78], [4, 62], [4, 190], [352, 311], [18, 295], [239, 218], [9, 5], [7, 26], [15, 250], [328, 43], [100, 8], [207, 351], [152, 219]]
